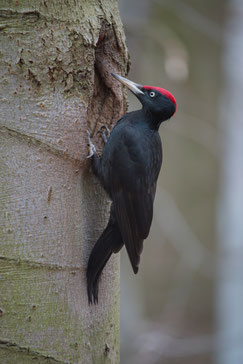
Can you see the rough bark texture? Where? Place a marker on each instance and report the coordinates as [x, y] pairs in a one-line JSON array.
[[55, 59]]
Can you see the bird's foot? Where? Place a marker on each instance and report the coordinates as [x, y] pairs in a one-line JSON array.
[[105, 133], [92, 149]]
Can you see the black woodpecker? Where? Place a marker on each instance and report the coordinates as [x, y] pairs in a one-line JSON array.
[[128, 170]]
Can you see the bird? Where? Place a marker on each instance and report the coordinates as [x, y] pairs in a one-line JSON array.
[[128, 169]]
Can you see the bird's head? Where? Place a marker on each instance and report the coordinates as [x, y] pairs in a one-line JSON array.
[[155, 100]]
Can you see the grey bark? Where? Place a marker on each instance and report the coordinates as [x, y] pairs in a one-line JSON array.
[[55, 59]]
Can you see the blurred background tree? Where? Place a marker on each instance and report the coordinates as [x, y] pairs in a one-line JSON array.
[[179, 307]]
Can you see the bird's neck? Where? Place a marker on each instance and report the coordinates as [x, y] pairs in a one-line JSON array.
[[152, 119]]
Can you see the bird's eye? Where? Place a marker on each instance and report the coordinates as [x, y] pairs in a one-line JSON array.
[[152, 94]]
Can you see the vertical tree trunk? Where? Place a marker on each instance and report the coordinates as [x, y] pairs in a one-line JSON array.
[[230, 228], [55, 83]]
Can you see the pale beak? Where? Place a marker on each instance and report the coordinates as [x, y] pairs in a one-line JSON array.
[[132, 86]]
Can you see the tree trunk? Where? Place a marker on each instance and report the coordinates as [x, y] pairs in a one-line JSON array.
[[56, 58]]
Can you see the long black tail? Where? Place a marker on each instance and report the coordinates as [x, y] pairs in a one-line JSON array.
[[109, 242]]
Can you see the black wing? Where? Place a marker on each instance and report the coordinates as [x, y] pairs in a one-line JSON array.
[[133, 173]]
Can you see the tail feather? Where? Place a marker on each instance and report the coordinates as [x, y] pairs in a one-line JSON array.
[[109, 242]]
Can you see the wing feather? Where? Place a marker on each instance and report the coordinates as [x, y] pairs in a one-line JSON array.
[[133, 186]]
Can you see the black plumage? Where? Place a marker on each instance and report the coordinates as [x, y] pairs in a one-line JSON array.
[[128, 170]]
